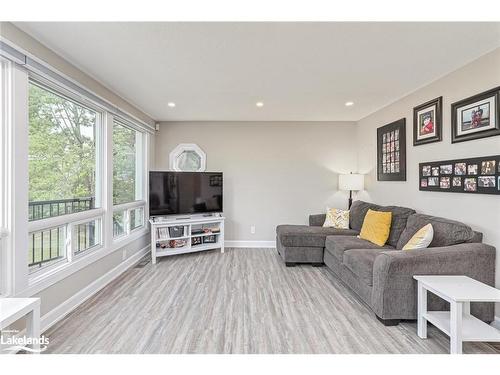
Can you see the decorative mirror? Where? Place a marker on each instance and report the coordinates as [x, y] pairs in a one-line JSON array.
[[188, 157]]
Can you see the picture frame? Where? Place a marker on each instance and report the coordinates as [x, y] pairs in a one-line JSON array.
[[476, 117], [480, 175], [428, 122], [391, 151]]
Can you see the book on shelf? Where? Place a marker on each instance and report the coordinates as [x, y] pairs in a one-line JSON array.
[[162, 233]]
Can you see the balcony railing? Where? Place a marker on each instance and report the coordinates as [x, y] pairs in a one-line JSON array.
[[38, 210], [49, 245]]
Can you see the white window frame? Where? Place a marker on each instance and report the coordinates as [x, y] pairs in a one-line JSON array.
[[5, 176], [70, 220], [14, 141]]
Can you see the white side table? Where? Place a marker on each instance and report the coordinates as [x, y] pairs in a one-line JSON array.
[[457, 323], [12, 309]]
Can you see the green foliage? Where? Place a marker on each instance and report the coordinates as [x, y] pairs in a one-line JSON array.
[[62, 151], [62, 147], [124, 168]]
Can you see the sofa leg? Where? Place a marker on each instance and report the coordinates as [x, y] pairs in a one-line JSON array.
[[290, 264], [388, 322]]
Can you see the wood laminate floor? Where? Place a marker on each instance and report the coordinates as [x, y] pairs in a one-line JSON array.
[[242, 301]]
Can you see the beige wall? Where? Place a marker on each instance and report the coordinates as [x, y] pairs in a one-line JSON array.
[[274, 172], [482, 212]]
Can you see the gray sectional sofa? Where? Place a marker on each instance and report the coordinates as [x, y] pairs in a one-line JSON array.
[[383, 276]]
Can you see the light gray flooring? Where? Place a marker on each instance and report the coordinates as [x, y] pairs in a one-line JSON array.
[[243, 301]]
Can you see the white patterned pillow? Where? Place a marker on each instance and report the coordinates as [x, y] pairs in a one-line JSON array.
[[336, 218]]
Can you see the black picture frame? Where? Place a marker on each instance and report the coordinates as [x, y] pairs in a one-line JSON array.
[[391, 152], [482, 176], [435, 105], [465, 104]]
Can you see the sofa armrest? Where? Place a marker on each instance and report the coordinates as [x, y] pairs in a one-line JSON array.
[[394, 293], [317, 220]]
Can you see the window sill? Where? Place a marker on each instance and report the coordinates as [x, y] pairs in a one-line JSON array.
[[45, 279]]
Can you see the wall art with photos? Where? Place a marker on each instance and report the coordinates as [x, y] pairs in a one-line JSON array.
[[427, 122], [391, 151], [476, 117], [475, 175]]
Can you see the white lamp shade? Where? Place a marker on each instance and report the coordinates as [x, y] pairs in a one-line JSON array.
[[351, 181]]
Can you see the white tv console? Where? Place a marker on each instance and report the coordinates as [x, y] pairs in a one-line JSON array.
[[194, 233]]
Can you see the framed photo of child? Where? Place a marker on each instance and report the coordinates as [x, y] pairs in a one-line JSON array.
[[476, 117], [427, 122]]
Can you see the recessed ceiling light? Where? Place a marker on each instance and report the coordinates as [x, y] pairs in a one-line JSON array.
[[349, 104], [171, 104], [259, 104]]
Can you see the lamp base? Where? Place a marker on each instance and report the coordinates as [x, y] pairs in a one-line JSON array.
[[350, 200]]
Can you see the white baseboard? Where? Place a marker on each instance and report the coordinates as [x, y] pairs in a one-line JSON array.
[[254, 244], [59, 312], [496, 322]]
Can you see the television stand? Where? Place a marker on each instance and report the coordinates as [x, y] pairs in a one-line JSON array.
[[186, 235]]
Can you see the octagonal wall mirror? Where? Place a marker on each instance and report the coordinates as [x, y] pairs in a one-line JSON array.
[[188, 157]]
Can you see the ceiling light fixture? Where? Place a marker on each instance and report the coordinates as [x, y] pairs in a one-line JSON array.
[[171, 104], [259, 104], [349, 104]]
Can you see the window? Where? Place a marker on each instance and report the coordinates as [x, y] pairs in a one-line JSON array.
[[86, 236], [58, 144], [128, 176], [62, 155], [63, 163]]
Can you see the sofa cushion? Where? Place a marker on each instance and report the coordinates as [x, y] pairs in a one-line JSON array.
[[336, 245], [357, 213], [360, 262], [399, 218], [446, 232], [304, 235], [376, 227]]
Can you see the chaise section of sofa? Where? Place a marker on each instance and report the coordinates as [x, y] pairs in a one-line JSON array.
[[305, 244]]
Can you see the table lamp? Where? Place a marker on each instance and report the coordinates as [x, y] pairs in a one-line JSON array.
[[351, 182]]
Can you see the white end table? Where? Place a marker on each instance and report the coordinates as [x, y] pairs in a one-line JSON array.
[[12, 309], [457, 323]]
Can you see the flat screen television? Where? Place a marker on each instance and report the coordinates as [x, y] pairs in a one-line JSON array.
[[180, 193]]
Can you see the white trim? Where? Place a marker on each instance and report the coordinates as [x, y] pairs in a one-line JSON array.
[[58, 221], [57, 273], [251, 244], [59, 312], [182, 147], [129, 205]]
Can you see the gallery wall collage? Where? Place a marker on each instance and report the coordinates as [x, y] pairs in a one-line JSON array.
[[472, 118]]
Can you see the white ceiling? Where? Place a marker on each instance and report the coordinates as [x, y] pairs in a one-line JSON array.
[[301, 71]]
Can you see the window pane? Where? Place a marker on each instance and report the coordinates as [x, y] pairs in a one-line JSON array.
[[136, 218], [62, 155], [124, 164], [86, 236], [118, 223], [46, 247]]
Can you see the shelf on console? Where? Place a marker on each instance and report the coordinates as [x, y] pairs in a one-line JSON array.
[[473, 329], [159, 226]]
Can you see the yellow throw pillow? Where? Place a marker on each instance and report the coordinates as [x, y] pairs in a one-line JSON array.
[[336, 218], [422, 239], [376, 227]]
